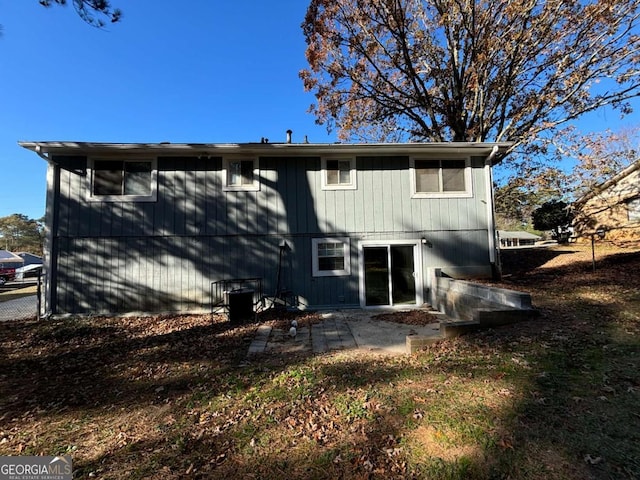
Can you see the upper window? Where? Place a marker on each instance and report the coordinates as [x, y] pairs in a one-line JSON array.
[[241, 174], [330, 257], [441, 178], [123, 180], [339, 173], [633, 208]]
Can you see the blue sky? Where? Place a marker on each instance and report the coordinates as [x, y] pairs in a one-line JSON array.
[[197, 71]]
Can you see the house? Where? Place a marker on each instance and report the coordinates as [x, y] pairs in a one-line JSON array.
[[612, 207], [517, 238], [171, 227]]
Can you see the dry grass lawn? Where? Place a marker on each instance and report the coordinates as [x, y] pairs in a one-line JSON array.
[[175, 397]]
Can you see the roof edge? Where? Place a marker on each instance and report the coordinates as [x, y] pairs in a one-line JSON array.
[[609, 183], [210, 149]]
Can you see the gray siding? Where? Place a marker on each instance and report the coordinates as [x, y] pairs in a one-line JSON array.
[[163, 255]]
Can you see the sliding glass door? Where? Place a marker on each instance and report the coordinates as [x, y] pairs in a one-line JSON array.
[[389, 275]]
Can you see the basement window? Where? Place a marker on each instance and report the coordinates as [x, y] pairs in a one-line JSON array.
[[123, 180], [330, 257]]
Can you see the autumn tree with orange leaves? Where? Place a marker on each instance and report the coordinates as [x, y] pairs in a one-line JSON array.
[[468, 70]]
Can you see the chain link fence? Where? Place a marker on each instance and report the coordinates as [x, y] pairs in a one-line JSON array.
[[19, 300]]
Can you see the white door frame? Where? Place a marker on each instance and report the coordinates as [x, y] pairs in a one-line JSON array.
[[417, 267]]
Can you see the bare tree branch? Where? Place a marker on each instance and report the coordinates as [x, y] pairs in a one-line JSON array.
[[468, 70], [94, 12]]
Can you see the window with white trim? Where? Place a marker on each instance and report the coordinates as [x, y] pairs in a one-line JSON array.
[[133, 180], [441, 177], [330, 257], [633, 210], [338, 173], [241, 174]]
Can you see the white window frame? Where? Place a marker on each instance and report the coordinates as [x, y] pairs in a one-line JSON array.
[[633, 210], [151, 197], [468, 179], [253, 187], [417, 266], [346, 245], [352, 185]]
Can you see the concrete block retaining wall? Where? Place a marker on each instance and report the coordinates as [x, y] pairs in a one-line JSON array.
[[469, 307], [467, 301]]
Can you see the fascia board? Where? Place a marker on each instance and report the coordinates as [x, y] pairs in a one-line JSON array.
[[262, 149]]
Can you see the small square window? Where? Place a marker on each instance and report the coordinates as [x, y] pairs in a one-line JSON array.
[[633, 209], [338, 173], [331, 257], [123, 180], [241, 174], [441, 178]]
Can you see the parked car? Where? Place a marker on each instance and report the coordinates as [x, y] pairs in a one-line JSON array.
[[7, 275]]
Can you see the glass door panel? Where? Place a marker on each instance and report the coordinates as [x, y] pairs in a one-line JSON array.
[[376, 275], [403, 282]]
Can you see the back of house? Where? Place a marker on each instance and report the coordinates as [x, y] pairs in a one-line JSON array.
[[169, 227]]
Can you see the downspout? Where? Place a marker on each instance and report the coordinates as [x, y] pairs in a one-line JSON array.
[[50, 247], [494, 259]]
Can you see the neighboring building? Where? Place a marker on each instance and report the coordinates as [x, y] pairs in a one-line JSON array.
[[517, 238], [150, 227], [29, 258], [8, 264], [10, 260], [613, 207], [32, 266]]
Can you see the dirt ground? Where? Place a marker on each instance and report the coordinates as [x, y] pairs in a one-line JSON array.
[[411, 317], [578, 256]]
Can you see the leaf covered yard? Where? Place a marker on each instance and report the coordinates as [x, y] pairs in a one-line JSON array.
[[176, 396]]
